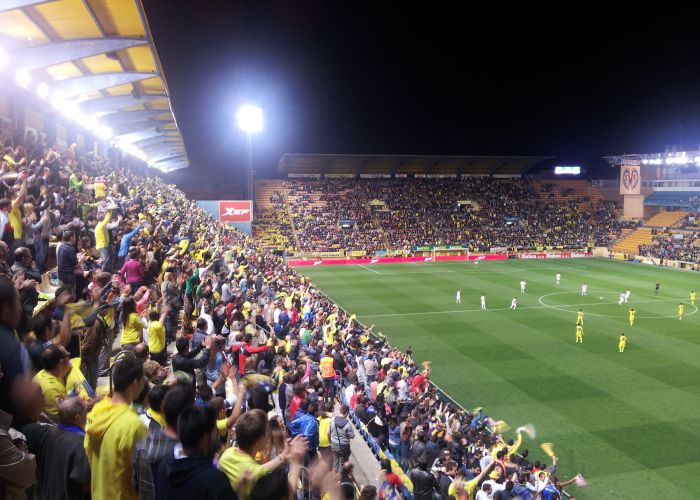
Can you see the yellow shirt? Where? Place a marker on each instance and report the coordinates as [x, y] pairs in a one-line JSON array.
[[324, 425], [54, 391], [468, 488], [234, 463], [623, 340], [579, 330], [692, 296], [133, 329], [222, 427], [680, 309], [112, 432], [156, 337], [16, 221], [101, 235], [100, 190]]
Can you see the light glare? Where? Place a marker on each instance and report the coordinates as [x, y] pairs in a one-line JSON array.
[[250, 119], [23, 78]]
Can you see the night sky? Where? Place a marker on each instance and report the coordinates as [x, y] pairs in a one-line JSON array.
[[385, 78]]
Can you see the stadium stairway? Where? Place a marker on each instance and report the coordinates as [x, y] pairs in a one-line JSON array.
[[580, 189], [630, 243], [263, 191], [667, 219], [268, 219], [375, 219], [285, 193]]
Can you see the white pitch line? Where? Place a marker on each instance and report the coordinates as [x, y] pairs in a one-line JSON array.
[[372, 270], [507, 308]]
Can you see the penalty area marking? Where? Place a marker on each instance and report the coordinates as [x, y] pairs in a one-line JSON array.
[[562, 306], [543, 306], [371, 270]]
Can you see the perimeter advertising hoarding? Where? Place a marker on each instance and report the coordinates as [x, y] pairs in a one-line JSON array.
[[236, 211]]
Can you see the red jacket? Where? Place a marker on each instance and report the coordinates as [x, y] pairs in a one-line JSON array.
[[244, 352]]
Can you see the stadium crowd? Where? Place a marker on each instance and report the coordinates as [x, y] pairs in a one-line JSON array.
[[272, 227], [479, 213], [683, 246], [253, 386], [318, 207]]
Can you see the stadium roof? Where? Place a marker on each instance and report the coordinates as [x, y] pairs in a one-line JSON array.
[[299, 164], [99, 55]]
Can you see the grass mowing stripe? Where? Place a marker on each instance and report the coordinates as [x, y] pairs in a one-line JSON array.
[[607, 413]]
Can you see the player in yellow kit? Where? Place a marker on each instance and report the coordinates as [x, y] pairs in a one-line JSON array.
[[692, 297], [681, 308], [579, 318], [622, 343], [632, 313], [579, 334]]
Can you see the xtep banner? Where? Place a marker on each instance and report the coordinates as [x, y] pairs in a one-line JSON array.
[[236, 211]]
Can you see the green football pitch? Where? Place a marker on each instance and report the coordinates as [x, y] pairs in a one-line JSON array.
[[630, 422]]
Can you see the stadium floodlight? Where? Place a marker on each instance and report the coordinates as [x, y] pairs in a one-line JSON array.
[[103, 132], [4, 59], [250, 119], [23, 78], [42, 90]]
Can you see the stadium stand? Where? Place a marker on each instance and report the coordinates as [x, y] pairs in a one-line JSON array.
[[667, 219], [687, 200], [257, 328], [475, 212], [630, 244], [683, 246], [272, 227]]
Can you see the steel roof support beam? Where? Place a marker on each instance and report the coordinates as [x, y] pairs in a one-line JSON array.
[[121, 117], [73, 87], [167, 158], [116, 102], [48, 54], [128, 128], [160, 139]]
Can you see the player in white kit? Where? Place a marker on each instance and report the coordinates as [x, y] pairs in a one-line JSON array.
[[483, 301], [627, 295], [622, 298], [459, 297], [514, 303], [522, 286], [584, 289], [558, 278]]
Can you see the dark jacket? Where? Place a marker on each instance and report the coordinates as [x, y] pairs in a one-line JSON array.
[[424, 484], [146, 461], [189, 362], [417, 450], [191, 477], [63, 472], [67, 262]]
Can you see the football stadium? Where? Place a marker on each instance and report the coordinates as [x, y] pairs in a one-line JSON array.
[[191, 309]]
